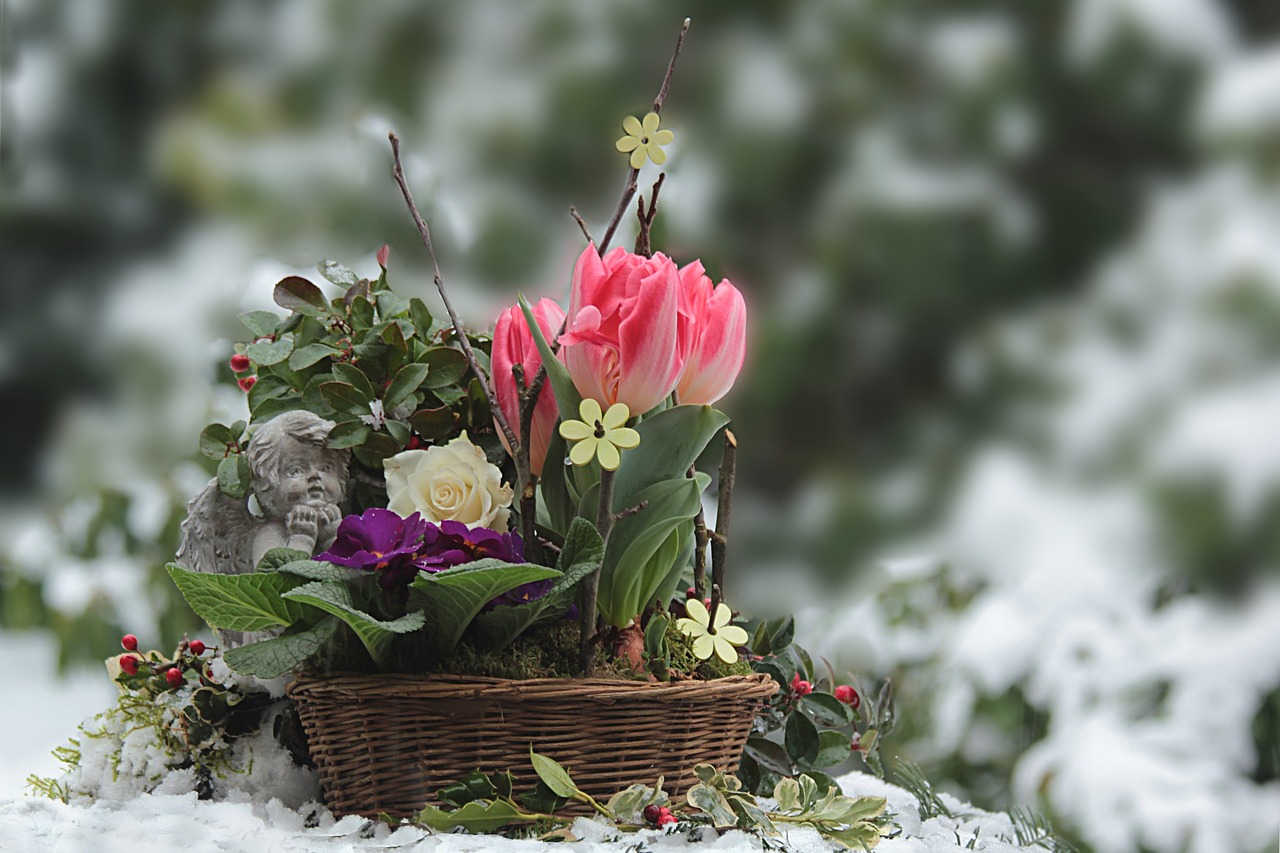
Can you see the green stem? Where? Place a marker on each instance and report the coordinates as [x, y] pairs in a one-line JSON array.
[[591, 589]]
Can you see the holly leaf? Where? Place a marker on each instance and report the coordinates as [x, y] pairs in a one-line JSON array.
[[553, 775], [476, 816]]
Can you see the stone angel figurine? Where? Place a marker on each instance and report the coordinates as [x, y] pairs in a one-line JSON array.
[[297, 488]]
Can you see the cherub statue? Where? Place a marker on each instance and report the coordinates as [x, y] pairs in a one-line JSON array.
[[298, 485]]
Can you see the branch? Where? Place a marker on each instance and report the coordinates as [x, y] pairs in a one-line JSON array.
[[720, 539], [700, 539], [643, 246], [629, 189], [425, 233], [604, 523], [582, 224]]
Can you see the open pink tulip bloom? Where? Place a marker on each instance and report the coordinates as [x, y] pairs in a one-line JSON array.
[[513, 344], [623, 343], [714, 325]]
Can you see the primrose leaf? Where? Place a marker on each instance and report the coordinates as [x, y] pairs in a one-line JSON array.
[[248, 602], [335, 598], [282, 655]]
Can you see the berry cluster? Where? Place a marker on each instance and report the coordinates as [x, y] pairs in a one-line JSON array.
[[659, 816], [240, 364], [173, 672]]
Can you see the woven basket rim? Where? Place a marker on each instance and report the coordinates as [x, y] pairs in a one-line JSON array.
[[440, 686]]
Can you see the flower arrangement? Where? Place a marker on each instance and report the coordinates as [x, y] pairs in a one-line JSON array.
[[430, 500]]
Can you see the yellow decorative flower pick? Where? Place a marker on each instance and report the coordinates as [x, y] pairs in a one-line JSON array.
[[643, 140], [599, 435], [722, 642]]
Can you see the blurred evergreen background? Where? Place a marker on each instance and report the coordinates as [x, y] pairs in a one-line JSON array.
[[1013, 273]]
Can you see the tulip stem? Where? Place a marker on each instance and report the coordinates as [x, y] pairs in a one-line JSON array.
[[700, 540], [424, 232], [524, 469], [591, 589], [724, 501], [629, 189]]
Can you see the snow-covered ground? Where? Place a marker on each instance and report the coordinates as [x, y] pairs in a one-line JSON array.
[[163, 823]]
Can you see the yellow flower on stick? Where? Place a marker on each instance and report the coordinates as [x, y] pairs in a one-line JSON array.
[[720, 640], [643, 140], [599, 435]]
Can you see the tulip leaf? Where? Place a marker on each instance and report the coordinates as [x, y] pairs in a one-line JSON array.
[[670, 442], [581, 555], [558, 494], [282, 655], [247, 602], [455, 597], [567, 397], [643, 546], [335, 599]]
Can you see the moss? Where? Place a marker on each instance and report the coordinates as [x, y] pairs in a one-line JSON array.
[[550, 652], [680, 649]]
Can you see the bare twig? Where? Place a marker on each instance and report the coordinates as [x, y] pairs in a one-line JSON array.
[[720, 539], [582, 224], [425, 233], [524, 467], [631, 510], [643, 245], [591, 591], [700, 539], [629, 189]]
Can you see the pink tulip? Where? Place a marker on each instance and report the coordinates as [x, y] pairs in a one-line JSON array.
[[623, 342], [714, 336], [513, 344]]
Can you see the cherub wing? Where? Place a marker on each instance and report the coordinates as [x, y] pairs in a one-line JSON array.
[[217, 535]]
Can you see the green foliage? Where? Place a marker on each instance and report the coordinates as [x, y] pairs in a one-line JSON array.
[[252, 602], [454, 598], [808, 732]]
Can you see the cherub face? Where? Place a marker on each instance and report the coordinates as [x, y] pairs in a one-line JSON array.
[[307, 475]]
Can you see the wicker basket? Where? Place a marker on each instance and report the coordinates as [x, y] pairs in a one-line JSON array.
[[387, 743]]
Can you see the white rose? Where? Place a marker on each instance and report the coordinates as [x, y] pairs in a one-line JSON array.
[[450, 482]]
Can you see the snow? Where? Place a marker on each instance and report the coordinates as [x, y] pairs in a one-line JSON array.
[[1244, 96], [165, 822]]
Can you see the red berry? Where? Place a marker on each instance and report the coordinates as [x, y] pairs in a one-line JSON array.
[[239, 362], [197, 648], [652, 812], [129, 664], [247, 383], [706, 602], [129, 642], [848, 695], [665, 819], [173, 675], [691, 592], [800, 687]]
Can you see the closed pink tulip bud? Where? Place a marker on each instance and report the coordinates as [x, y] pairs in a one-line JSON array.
[[622, 343], [513, 344], [714, 334]]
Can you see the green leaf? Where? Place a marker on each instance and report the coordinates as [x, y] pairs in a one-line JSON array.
[[261, 324], [296, 294], [454, 597], [643, 545], [787, 793], [282, 655], [356, 378], [348, 434], [234, 476], [581, 555], [553, 775], [399, 431], [266, 389], [670, 442], [275, 558], [315, 570], [567, 396], [446, 366], [713, 804], [345, 397], [769, 755], [826, 709], [833, 748], [376, 634], [217, 441], [801, 739], [268, 352], [337, 273], [421, 318], [391, 304], [433, 424], [311, 354], [404, 385], [251, 602], [361, 313], [476, 816]]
